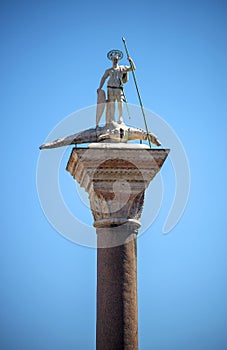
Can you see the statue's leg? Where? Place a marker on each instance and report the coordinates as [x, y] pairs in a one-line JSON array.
[[107, 112], [110, 110], [120, 112], [120, 106]]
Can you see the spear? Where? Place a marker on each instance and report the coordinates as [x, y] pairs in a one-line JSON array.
[[138, 93]]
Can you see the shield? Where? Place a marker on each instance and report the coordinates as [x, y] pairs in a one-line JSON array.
[[101, 102]]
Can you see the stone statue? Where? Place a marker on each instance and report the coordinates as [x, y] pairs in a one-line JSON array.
[[118, 75], [112, 132]]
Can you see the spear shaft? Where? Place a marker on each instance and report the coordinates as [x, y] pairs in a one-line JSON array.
[[138, 93]]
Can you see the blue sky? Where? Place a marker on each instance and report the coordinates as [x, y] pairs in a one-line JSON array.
[[53, 54]]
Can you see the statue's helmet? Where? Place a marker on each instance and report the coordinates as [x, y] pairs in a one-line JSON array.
[[115, 53]]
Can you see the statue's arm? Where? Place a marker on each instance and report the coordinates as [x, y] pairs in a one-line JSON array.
[[132, 64], [103, 79]]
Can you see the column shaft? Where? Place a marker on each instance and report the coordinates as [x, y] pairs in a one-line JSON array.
[[117, 314]]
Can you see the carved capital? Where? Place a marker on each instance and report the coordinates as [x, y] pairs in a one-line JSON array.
[[115, 179]]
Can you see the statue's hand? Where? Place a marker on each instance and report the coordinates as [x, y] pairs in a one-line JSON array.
[[132, 64]]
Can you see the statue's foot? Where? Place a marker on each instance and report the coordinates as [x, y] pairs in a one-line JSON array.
[[114, 124]]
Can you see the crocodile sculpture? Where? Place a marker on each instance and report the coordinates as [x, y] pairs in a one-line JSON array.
[[113, 132]]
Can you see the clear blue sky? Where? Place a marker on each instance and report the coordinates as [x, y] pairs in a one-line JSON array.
[[53, 54]]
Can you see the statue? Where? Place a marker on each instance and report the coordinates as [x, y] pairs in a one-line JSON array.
[[112, 131], [118, 75]]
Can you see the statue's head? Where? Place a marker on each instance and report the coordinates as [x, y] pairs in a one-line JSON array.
[[115, 55], [115, 59]]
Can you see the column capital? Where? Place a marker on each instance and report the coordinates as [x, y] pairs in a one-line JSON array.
[[115, 177]]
